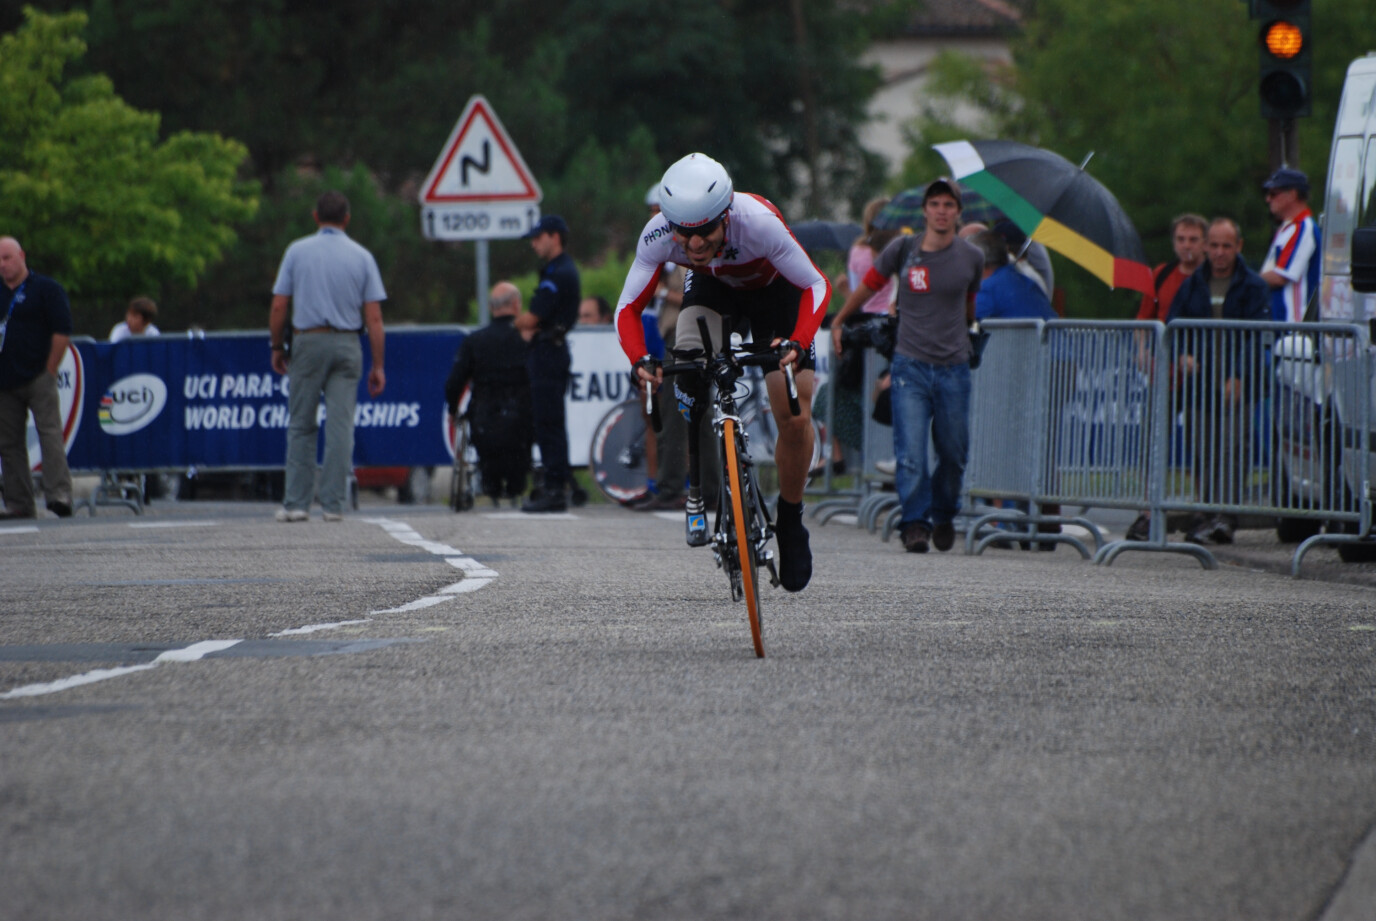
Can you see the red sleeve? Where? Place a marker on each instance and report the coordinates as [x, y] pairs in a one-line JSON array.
[[873, 280], [811, 311], [639, 289]]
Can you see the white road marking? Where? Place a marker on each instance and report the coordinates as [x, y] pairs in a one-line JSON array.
[[173, 524], [531, 516], [22, 529], [315, 628], [476, 575], [188, 654]]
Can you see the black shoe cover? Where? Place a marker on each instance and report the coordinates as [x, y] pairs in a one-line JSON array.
[[795, 556]]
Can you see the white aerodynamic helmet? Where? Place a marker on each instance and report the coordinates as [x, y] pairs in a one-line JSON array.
[[694, 191]]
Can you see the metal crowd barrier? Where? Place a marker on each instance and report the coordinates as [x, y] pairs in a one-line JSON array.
[[1217, 420], [868, 500]]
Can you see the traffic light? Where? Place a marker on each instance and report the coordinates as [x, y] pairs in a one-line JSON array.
[[1285, 57]]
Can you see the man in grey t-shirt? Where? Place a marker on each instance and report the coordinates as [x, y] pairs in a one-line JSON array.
[[938, 275], [331, 287]]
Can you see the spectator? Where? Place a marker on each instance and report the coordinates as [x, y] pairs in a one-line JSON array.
[[493, 360], [1029, 257], [1215, 370], [553, 312], [1006, 293], [138, 320], [938, 277], [594, 311], [860, 259], [1187, 238], [846, 419], [1292, 265], [34, 337], [332, 290]]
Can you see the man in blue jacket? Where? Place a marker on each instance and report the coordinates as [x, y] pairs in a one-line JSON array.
[[1220, 371]]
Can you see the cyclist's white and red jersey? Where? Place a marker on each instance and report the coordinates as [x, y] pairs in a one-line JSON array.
[[758, 249]]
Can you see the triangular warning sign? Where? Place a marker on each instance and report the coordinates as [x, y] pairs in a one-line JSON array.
[[479, 163]]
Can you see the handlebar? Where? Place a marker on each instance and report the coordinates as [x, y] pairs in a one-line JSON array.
[[724, 368]]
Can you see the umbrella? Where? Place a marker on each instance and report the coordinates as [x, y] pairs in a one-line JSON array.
[[1057, 203], [815, 235], [905, 210]]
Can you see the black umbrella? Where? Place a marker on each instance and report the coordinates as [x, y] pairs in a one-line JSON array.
[[905, 210], [837, 235], [1056, 203]]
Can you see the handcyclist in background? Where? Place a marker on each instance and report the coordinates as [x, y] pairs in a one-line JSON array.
[[743, 264]]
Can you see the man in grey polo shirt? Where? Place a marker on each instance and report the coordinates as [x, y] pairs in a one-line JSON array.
[[333, 290]]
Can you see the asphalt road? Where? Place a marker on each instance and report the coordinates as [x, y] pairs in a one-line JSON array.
[[205, 714]]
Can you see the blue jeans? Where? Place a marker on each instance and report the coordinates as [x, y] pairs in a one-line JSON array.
[[930, 400]]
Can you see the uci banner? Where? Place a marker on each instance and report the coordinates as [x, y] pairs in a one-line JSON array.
[[170, 402], [209, 401]]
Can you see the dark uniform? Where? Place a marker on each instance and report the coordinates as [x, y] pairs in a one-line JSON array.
[[493, 359], [555, 304]]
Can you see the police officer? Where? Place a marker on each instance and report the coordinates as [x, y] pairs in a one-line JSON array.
[[553, 312]]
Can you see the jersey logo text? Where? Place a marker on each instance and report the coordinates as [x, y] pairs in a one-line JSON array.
[[655, 234]]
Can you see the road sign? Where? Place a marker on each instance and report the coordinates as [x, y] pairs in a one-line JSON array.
[[500, 221], [479, 164]]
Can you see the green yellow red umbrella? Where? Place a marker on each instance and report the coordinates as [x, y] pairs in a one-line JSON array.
[[1056, 203]]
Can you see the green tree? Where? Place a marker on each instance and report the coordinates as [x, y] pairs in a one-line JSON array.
[[97, 199], [599, 95], [1164, 95]]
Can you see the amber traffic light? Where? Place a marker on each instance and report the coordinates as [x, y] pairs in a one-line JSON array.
[[1285, 85]]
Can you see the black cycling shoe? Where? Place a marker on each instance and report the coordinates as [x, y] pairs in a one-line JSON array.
[[795, 555], [695, 526]]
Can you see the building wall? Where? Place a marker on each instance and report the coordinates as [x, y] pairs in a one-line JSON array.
[[903, 64]]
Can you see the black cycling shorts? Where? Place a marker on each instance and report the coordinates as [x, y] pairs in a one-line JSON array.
[[768, 313]]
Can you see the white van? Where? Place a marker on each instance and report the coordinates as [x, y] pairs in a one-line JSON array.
[[1318, 386], [1350, 200], [1347, 289]]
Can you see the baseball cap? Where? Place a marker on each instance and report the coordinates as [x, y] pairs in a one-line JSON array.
[[550, 223], [942, 184], [1287, 178]]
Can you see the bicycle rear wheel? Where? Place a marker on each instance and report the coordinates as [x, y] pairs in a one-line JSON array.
[[742, 518], [616, 457]]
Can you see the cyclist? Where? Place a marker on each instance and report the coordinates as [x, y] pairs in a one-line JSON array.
[[744, 265]]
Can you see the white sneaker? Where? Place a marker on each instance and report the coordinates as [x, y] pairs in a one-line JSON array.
[[292, 514], [332, 516], [888, 467]]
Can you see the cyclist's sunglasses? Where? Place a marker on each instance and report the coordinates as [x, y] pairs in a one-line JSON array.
[[701, 230]]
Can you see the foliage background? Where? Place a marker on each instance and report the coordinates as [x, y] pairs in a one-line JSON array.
[[296, 96], [1165, 95], [599, 95]]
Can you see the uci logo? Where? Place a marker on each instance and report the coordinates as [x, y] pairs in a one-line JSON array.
[[132, 403]]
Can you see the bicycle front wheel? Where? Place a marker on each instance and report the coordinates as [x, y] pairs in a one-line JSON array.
[[742, 517]]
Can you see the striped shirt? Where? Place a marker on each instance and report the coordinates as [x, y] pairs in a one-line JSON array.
[[1294, 255]]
